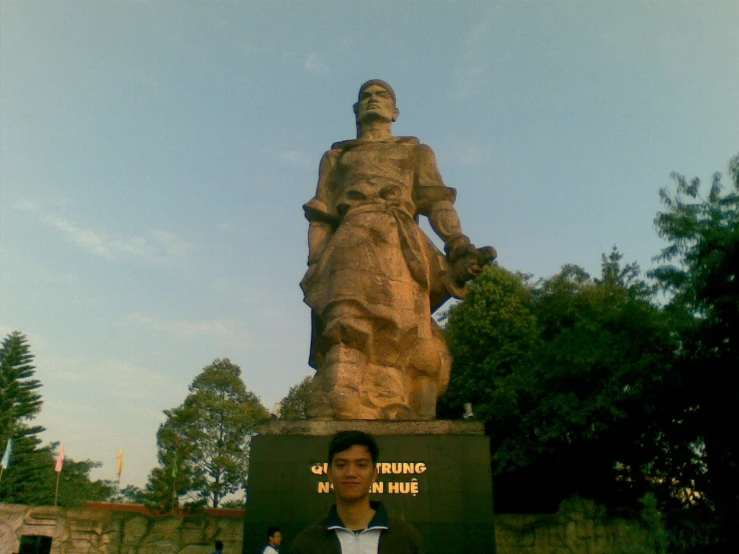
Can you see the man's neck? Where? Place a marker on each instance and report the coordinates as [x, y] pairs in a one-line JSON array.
[[355, 515], [376, 130]]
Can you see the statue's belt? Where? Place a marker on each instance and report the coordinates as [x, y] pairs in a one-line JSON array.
[[410, 244]]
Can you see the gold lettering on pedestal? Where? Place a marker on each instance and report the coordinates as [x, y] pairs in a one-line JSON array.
[[414, 486], [381, 487], [383, 468]]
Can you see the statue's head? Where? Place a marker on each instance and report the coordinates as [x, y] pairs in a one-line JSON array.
[[376, 100]]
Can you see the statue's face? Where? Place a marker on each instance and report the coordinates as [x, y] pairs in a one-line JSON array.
[[375, 102]]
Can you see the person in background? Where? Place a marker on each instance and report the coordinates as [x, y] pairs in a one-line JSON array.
[[274, 539]]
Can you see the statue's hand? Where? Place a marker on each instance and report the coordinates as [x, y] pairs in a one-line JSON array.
[[467, 262]]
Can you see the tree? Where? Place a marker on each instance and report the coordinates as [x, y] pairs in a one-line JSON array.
[[203, 445], [75, 485], [566, 375], [31, 478], [492, 335], [20, 401], [606, 350], [292, 407], [700, 273], [130, 494]]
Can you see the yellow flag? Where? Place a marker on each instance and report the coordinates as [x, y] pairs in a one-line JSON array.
[[119, 467]]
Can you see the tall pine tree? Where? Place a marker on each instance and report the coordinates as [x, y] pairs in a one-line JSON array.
[[30, 479], [20, 401]]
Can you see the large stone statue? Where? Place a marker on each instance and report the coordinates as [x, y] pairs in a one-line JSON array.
[[374, 278]]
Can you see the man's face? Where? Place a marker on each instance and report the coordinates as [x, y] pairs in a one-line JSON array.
[[276, 539], [352, 473], [375, 102]]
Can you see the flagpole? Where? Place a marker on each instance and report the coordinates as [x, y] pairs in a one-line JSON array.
[[174, 492], [56, 494], [58, 469], [2, 469], [175, 471]]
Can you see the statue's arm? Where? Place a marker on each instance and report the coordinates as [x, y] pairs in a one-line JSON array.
[[318, 235], [436, 200], [320, 212]]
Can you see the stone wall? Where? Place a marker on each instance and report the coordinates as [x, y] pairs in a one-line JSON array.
[[120, 529], [578, 527]]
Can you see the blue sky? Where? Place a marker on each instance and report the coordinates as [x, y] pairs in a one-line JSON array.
[[154, 157]]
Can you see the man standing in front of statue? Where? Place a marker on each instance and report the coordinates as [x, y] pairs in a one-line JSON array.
[[355, 524], [374, 278]]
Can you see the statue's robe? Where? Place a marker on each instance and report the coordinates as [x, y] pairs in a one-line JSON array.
[[376, 278]]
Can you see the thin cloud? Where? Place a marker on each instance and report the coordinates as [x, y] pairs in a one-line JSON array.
[[109, 377], [173, 245], [25, 205], [236, 289], [476, 155], [161, 246], [68, 407], [126, 379], [296, 159], [275, 319], [472, 73], [224, 329], [47, 203], [316, 64]]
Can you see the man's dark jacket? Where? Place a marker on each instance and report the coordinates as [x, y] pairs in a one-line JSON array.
[[398, 537]]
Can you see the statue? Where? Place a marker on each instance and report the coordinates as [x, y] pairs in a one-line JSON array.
[[374, 278]]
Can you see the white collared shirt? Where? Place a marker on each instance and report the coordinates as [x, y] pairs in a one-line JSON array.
[[366, 541]]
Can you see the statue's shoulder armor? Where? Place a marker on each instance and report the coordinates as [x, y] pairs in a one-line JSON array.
[[344, 144], [338, 146]]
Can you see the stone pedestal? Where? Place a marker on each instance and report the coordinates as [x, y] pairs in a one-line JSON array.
[[434, 474]]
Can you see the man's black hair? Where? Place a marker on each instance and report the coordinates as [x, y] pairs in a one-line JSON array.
[[219, 545], [344, 440], [271, 532]]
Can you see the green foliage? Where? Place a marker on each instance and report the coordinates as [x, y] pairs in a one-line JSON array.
[[31, 478], [203, 445], [654, 524], [493, 336], [75, 485], [566, 374], [20, 401], [700, 273], [130, 494], [591, 386], [292, 407]]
